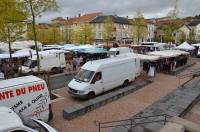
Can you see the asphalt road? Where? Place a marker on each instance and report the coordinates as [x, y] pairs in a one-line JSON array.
[[60, 80]]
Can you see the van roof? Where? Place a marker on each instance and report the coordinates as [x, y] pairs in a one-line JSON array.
[[119, 48], [10, 119], [94, 65], [18, 81]]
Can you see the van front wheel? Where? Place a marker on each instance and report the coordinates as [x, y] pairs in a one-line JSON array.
[[91, 95], [126, 82]]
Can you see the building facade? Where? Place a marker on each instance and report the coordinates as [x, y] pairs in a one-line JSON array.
[[195, 27], [121, 28]]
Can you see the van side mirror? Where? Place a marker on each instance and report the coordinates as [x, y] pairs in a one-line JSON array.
[[93, 81], [31, 66]]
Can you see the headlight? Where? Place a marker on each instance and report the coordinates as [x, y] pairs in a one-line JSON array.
[[80, 92]]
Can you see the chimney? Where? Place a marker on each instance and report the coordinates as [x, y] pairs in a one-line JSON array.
[[127, 17], [79, 15], [67, 18]]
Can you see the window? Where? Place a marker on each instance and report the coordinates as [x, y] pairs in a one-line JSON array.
[[97, 77], [84, 75], [99, 35], [99, 26]]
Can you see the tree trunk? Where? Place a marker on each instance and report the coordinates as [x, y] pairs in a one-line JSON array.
[[35, 37], [107, 45], [10, 53], [9, 42]]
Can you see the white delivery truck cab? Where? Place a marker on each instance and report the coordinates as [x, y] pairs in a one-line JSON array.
[[28, 96], [96, 77], [11, 122], [48, 62], [120, 51]]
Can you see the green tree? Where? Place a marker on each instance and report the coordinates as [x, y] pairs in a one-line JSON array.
[[76, 36], [83, 34], [35, 8], [172, 28], [139, 27], [109, 29], [12, 21], [87, 33], [46, 35]]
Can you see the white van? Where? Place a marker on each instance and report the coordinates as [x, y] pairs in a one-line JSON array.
[[28, 96], [11, 122], [48, 62], [120, 50], [96, 77]]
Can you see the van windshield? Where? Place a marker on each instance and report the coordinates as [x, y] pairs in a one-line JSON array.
[[33, 124], [30, 63], [84, 75]]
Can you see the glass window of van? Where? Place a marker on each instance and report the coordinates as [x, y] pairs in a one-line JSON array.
[[97, 77], [84, 75]]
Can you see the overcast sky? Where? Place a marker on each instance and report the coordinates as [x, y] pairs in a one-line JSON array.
[[150, 8]]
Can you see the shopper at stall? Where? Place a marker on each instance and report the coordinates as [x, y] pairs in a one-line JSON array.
[[74, 63]]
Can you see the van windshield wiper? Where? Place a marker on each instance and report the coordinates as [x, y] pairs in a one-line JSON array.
[[77, 78]]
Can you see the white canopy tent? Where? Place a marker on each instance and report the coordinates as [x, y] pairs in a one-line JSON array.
[[168, 53], [4, 47], [24, 53], [18, 45], [80, 47], [198, 45], [185, 46], [4, 56], [54, 51], [147, 57]]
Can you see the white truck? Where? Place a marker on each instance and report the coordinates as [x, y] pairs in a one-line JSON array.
[[11, 122], [96, 77], [48, 62], [28, 96], [120, 51]]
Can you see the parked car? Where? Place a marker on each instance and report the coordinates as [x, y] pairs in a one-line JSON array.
[[11, 122], [96, 77]]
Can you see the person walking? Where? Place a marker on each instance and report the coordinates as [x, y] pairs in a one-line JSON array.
[[74, 63], [81, 60]]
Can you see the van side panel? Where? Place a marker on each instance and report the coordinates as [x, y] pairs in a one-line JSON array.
[[48, 62], [115, 75], [29, 100], [138, 67], [62, 60]]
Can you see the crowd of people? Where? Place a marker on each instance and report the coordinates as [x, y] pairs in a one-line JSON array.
[[8, 69], [75, 61], [165, 65]]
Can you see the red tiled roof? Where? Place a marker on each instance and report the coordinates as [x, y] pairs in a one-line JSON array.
[[88, 17], [58, 19], [43, 25], [83, 18]]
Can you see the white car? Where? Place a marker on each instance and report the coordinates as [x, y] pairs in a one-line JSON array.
[[11, 122]]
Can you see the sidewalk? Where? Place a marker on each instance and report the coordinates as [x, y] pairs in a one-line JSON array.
[[123, 108]]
